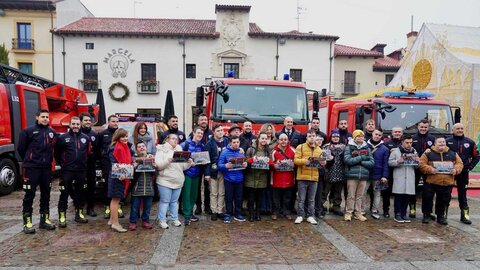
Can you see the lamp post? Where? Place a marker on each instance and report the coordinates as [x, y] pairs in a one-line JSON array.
[[181, 41]]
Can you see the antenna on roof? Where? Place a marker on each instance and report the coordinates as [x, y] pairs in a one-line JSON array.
[[300, 11], [134, 8], [411, 24]]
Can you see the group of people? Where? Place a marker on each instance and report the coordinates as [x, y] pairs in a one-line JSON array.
[[285, 173]]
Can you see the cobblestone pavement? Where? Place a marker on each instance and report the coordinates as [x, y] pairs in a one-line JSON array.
[[333, 244]]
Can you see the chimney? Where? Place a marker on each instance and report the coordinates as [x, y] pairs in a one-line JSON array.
[[411, 37], [379, 48]]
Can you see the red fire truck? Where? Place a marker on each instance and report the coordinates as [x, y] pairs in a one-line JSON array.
[[230, 101], [396, 108], [21, 96]]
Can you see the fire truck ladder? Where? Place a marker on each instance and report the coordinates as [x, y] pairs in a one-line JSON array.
[[12, 75]]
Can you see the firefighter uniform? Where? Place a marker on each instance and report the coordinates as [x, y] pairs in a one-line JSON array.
[[89, 194], [467, 150], [35, 147], [71, 152]]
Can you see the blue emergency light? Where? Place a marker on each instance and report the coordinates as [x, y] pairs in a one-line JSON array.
[[230, 74], [286, 77], [403, 94]]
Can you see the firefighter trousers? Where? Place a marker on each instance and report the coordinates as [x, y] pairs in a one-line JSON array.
[[89, 192], [33, 177], [71, 184], [462, 184]]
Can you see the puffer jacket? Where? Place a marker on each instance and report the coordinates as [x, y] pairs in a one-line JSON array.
[[148, 140], [426, 166], [143, 182], [358, 160], [302, 153], [230, 176], [380, 154], [281, 179], [190, 146], [170, 174], [256, 178]]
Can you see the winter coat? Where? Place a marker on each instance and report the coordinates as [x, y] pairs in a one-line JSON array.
[[207, 135], [283, 179], [180, 134], [345, 136], [148, 140], [302, 153], [380, 156], [116, 187], [235, 176], [319, 133], [35, 146], [190, 146], [335, 167], [72, 150], [170, 174], [403, 175], [104, 142], [358, 161], [466, 149], [246, 140], [392, 143], [255, 178], [295, 137], [426, 166], [143, 182], [422, 142], [214, 150], [93, 135]]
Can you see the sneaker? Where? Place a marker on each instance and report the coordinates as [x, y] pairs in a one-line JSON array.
[[163, 225], [193, 218], [312, 220], [186, 222], [406, 219], [375, 215], [146, 225], [177, 223], [227, 219], [274, 217], [298, 220], [426, 219], [239, 218], [347, 217], [132, 226], [386, 215], [214, 217], [360, 217], [398, 219]]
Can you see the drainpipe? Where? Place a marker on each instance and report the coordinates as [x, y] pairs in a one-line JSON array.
[[53, 46], [330, 69], [63, 55], [276, 62]]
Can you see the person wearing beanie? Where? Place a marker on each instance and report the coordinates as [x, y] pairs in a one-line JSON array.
[[334, 172], [358, 160]]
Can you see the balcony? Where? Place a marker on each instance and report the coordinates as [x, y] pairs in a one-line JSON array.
[[90, 86], [148, 87], [23, 44], [350, 89]]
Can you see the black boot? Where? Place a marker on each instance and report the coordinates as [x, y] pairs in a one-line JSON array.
[[465, 216], [413, 210], [441, 220], [45, 222], [91, 212], [426, 218], [258, 216], [79, 217], [62, 219], [27, 224]]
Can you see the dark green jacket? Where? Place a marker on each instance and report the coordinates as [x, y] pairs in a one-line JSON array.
[[358, 161], [255, 178]]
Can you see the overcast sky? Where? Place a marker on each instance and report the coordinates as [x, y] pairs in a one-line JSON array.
[[358, 23]]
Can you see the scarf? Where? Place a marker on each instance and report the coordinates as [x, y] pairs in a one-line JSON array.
[[122, 154], [406, 151]]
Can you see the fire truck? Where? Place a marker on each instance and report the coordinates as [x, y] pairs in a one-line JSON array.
[[21, 96], [404, 108], [230, 101]]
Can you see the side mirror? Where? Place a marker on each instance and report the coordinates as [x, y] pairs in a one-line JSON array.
[[359, 117], [200, 96], [316, 102], [226, 97], [458, 115]]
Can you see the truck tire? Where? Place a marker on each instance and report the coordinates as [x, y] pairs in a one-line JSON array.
[[8, 176]]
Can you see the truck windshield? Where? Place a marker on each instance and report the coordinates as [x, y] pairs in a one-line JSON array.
[[409, 115], [262, 104]]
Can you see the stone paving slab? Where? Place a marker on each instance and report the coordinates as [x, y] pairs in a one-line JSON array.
[[373, 265], [444, 265], [266, 242]]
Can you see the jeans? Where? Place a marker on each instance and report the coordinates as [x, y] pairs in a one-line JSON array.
[[306, 192], [135, 208], [319, 196], [168, 200], [233, 192]]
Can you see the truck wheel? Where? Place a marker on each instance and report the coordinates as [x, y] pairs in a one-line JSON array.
[[8, 176]]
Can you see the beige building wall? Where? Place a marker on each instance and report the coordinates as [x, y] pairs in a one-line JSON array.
[[41, 55]]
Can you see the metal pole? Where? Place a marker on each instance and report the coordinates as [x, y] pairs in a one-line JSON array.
[[183, 80]]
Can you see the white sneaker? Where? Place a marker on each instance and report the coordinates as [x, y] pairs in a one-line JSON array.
[[312, 220], [177, 223], [163, 225], [298, 220]]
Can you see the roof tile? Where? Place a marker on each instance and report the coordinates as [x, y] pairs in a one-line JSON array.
[[343, 50]]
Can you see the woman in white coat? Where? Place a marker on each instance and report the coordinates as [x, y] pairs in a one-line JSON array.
[[169, 180]]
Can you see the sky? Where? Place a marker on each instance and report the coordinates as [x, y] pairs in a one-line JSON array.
[[358, 23]]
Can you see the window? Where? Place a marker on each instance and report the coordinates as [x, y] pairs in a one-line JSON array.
[[233, 68], [388, 78], [89, 46], [149, 78], [296, 75], [26, 67], [342, 115], [90, 76], [191, 71], [349, 85], [24, 36]]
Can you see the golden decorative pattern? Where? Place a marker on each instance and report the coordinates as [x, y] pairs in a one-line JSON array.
[[422, 74]]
